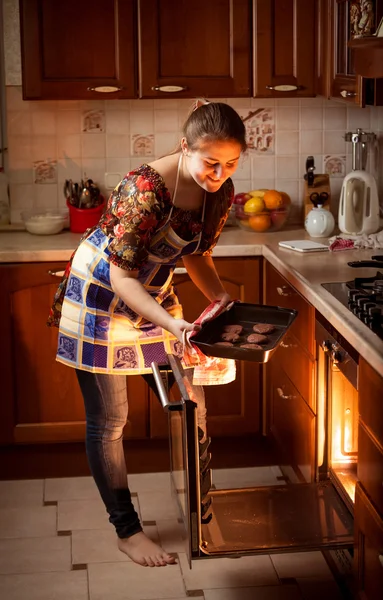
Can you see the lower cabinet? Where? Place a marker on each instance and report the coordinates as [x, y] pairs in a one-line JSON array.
[[41, 401]]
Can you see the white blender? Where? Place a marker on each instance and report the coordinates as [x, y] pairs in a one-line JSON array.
[[359, 201]]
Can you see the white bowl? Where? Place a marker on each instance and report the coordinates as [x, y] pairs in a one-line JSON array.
[[44, 222]]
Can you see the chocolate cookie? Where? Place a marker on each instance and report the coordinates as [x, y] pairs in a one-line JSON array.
[[251, 346], [229, 336], [226, 344], [233, 329], [263, 328], [257, 338]]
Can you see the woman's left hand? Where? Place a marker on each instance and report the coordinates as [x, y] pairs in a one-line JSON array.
[[224, 298]]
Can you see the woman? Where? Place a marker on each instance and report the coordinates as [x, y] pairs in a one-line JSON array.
[[116, 307]]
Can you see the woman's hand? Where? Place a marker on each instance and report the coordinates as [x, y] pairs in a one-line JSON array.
[[178, 326], [224, 298]]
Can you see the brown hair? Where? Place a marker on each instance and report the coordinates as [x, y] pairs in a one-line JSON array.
[[214, 121]]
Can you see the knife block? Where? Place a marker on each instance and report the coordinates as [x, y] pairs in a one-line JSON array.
[[321, 184]]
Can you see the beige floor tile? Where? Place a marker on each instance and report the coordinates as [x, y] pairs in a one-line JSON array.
[[70, 488], [21, 493], [149, 482], [171, 536], [274, 592], [224, 573], [129, 581], [300, 564], [157, 506], [45, 586], [35, 555], [95, 546], [246, 477], [28, 522], [84, 514], [315, 588]]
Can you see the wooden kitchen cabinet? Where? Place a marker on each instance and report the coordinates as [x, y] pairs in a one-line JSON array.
[[202, 48], [68, 48], [284, 48], [345, 17], [232, 409], [41, 399]]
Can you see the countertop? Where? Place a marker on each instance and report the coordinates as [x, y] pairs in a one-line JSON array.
[[306, 272]]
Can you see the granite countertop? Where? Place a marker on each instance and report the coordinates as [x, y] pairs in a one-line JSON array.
[[306, 272]]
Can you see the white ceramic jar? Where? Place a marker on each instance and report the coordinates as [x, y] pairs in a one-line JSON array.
[[319, 222]]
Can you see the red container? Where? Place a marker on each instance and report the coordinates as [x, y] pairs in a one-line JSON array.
[[81, 219]]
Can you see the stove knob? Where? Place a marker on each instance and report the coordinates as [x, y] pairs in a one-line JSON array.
[[374, 311], [336, 357]]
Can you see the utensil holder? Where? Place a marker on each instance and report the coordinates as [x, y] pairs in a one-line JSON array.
[[82, 218]]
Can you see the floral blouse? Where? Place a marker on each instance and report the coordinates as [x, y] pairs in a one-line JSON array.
[[141, 204], [136, 209]]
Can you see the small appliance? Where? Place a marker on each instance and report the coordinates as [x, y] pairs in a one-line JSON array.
[[319, 222], [359, 202]]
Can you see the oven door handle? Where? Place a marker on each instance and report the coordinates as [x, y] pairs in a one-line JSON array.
[[162, 392]]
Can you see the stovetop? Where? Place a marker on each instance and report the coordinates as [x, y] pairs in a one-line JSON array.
[[364, 297]]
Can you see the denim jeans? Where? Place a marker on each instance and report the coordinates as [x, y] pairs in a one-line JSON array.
[[106, 408]]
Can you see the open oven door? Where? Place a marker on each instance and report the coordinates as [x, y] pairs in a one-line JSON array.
[[238, 522], [184, 451]]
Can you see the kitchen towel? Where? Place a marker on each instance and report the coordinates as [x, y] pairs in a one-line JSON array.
[[208, 370], [373, 241]]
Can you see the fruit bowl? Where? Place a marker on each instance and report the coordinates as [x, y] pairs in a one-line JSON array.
[[262, 210]]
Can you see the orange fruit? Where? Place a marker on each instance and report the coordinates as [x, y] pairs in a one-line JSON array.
[[272, 199], [260, 222]]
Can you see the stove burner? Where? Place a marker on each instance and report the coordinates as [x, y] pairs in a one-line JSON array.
[[364, 298]]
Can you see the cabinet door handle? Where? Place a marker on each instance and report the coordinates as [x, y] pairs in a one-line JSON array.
[[282, 395], [169, 88], [56, 273], [284, 87], [104, 89], [180, 271], [346, 94], [284, 291]]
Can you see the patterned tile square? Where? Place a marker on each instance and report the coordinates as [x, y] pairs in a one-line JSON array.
[[45, 586], [35, 555], [28, 522], [21, 493], [129, 581], [225, 573]]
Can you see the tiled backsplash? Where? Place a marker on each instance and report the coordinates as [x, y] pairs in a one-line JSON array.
[[52, 141]]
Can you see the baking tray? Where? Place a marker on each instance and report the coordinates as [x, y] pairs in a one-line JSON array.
[[247, 315]]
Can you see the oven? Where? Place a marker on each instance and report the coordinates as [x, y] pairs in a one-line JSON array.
[[250, 520]]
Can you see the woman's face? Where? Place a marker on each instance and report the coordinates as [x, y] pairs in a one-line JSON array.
[[212, 163]]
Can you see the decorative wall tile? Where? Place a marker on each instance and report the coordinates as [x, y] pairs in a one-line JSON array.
[[142, 145], [45, 171], [335, 165], [260, 130], [93, 121]]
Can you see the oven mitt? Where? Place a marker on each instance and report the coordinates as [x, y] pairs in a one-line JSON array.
[[208, 370]]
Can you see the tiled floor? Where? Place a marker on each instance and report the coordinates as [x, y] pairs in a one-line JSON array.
[[56, 544]]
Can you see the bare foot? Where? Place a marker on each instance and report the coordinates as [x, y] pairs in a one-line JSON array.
[[145, 552]]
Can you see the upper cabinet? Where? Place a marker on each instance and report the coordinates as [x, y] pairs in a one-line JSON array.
[[284, 45], [349, 19], [194, 48], [69, 48]]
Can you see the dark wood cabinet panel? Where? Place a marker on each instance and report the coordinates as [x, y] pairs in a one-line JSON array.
[[202, 47], [323, 47], [345, 18], [371, 399], [368, 557], [41, 398], [232, 409], [284, 48], [71, 47], [292, 423], [370, 467], [279, 292]]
